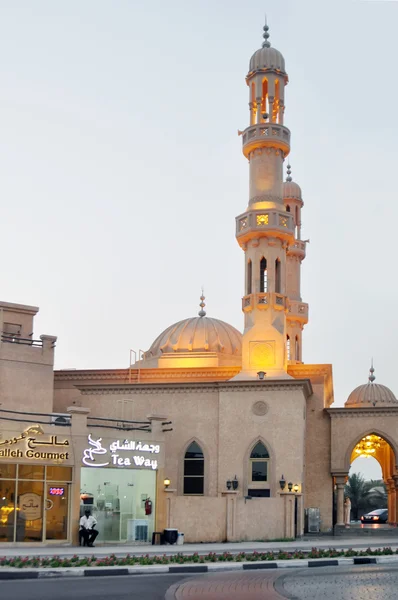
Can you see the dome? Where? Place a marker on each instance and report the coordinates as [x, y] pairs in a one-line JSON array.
[[291, 189], [198, 335], [371, 394], [267, 58]]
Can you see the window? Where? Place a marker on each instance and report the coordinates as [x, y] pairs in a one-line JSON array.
[[249, 278], [297, 351], [287, 208], [263, 276], [194, 464], [259, 459], [278, 276], [288, 348]]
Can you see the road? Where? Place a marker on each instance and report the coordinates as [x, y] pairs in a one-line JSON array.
[[326, 583]]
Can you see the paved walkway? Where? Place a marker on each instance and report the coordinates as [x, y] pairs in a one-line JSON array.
[[123, 549], [225, 586]]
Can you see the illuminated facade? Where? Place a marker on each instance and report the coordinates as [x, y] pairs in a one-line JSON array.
[[220, 416]]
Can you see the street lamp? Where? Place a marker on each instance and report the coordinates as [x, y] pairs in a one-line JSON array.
[[296, 488], [282, 483], [229, 484], [235, 483], [290, 486], [166, 482]]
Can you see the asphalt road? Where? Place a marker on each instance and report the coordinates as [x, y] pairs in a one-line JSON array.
[[326, 583], [139, 587]]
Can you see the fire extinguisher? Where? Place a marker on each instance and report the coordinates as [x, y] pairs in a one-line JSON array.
[[148, 506]]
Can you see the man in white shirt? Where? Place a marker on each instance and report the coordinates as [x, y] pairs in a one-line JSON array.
[[87, 531]]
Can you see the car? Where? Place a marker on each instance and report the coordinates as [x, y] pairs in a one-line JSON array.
[[376, 516]]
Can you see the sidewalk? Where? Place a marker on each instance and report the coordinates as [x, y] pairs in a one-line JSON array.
[[323, 542]]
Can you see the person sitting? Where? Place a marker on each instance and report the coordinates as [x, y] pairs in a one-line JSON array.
[[87, 531]]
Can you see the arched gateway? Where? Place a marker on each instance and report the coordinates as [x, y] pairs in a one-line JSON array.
[[366, 426]]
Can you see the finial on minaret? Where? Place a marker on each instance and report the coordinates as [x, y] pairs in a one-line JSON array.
[[371, 371], [289, 173], [202, 312], [266, 43]]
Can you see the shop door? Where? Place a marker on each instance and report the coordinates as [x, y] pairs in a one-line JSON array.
[[56, 511]]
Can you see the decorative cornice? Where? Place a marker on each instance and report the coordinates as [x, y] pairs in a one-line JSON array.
[[195, 388], [350, 413], [135, 375]]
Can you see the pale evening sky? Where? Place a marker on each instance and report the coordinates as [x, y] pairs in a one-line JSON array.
[[121, 170]]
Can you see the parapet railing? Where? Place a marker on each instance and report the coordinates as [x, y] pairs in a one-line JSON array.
[[14, 338]]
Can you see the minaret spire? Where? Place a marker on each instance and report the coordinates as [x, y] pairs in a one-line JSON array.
[[371, 371], [202, 312], [266, 42], [289, 173]]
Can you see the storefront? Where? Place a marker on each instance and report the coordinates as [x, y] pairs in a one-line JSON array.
[[35, 485], [49, 475], [118, 484]]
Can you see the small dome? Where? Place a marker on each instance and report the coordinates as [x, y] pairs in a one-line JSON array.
[[267, 58], [291, 189], [370, 395], [198, 334]]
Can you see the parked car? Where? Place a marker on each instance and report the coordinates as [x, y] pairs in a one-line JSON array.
[[376, 516]]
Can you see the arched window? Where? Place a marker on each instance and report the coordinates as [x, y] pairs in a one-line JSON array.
[[258, 471], [287, 208], [297, 349], [278, 276], [263, 276], [249, 278], [194, 464], [288, 348]]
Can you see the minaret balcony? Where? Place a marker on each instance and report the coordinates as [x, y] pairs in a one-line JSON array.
[[265, 223], [297, 249], [263, 301], [297, 311], [263, 135]]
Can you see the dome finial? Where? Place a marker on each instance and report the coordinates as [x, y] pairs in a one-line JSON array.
[[266, 43], [371, 371], [289, 173], [202, 312]]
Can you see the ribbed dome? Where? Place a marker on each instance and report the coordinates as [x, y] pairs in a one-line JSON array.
[[267, 58], [371, 394], [198, 334], [291, 189]]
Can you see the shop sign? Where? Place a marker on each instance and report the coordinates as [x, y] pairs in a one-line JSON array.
[[36, 448], [30, 506], [127, 453]]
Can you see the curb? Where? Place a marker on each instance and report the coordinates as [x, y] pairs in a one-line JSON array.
[[211, 568]]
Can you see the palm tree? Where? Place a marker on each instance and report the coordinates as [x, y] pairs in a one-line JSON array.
[[357, 489]]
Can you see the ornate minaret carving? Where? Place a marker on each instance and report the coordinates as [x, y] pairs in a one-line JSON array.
[[297, 313], [266, 229]]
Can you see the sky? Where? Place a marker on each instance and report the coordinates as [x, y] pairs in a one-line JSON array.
[[121, 170]]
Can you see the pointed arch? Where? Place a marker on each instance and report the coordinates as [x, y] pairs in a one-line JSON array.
[[358, 438], [259, 476], [263, 275], [197, 466], [249, 276], [288, 348], [278, 276]]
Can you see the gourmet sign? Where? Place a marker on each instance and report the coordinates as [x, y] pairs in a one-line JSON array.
[[31, 445]]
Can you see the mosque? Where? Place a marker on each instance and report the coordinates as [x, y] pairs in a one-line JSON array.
[[221, 435]]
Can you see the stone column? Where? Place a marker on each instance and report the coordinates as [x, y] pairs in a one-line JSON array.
[[230, 514], [340, 500], [392, 518], [169, 507]]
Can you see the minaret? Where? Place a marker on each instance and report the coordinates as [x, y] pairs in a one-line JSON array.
[[266, 229], [297, 314]]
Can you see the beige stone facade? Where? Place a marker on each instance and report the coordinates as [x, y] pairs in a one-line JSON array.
[[220, 434]]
